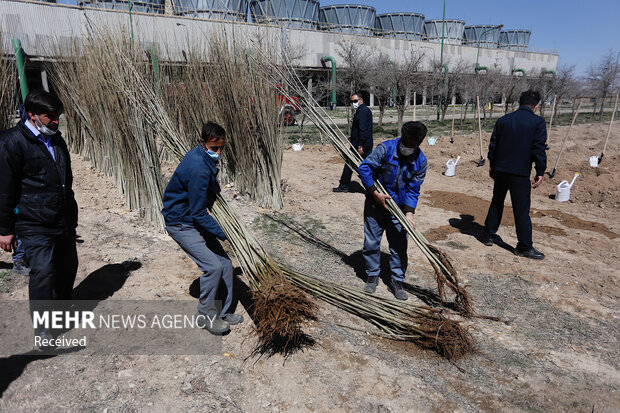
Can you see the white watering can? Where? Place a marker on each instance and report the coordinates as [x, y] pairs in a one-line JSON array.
[[297, 146], [451, 167], [594, 161], [563, 192], [432, 141]]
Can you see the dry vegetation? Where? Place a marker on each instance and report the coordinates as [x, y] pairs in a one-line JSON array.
[[8, 81]]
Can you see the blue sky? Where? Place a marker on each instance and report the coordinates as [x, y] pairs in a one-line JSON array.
[[581, 31]]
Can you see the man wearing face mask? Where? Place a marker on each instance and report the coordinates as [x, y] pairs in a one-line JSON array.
[[361, 138], [37, 202], [190, 194], [400, 166], [518, 140]]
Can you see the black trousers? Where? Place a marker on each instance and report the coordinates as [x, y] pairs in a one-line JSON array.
[[520, 190], [347, 173], [53, 265]]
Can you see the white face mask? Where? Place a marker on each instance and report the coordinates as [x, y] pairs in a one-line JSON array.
[[404, 150], [42, 128], [356, 105]]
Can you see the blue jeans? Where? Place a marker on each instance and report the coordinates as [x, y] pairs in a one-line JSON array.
[[18, 254], [207, 252], [377, 220]]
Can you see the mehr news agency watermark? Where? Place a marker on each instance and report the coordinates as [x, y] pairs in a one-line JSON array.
[[108, 327]]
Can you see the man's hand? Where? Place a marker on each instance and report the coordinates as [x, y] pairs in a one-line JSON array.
[[360, 150], [409, 216], [492, 173], [380, 198], [537, 181], [8, 242]]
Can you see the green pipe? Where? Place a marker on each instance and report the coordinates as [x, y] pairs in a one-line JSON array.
[[478, 68], [519, 70], [153, 53], [443, 25], [21, 67], [325, 59]]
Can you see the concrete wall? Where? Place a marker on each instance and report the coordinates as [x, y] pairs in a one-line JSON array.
[[47, 29]]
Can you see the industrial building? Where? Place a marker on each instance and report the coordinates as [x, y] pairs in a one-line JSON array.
[[312, 30]]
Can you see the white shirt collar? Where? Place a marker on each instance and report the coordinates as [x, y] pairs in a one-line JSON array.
[[36, 132], [32, 128]]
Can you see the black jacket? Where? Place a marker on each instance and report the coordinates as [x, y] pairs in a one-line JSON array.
[[36, 195], [519, 138], [361, 130]]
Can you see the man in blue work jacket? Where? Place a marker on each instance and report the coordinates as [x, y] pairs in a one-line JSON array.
[[400, 166], [361, 138], [518, 140], [190, 194]]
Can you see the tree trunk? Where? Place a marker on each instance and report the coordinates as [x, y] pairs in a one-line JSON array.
[[401, 114], [602, 107], [381, 113]]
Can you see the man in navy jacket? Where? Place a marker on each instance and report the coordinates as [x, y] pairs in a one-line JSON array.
[[518, 140], [37, 203], [190, 194], [361, 138], [400, 166]]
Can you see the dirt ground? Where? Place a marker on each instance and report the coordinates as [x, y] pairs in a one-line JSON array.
[[559, 350]]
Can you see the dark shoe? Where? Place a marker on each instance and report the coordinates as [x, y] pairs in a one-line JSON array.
[[531, 253], [20, 268], [340, 189], [487, 239], [397, 290], [216, 326], [233, 319], [371, 285]]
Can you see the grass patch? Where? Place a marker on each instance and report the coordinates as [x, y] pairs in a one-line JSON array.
[[5, 277], [456, 245]]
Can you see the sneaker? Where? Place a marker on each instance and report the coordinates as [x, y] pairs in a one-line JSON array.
[[397, 290], [217, 326], [371, 285], [487, 239], [531, 253], [233, 319], [20, 268], [340, 189]]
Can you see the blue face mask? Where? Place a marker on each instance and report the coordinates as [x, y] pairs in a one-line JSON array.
[[214, 156]]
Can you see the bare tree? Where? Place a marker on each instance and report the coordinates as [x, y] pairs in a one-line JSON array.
[[566, 85], [601, 78], [543, 83], [511, 88], [353, 76], [448, 87], [381, 81], [355, 58], [406, 79], [486, 87]]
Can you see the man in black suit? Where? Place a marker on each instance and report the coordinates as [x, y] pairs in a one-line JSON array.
[[518, 140], [361, 138], [37, 203]]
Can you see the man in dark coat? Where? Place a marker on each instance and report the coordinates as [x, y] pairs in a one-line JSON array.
[[518, 140], [37, 203], [361, 138]]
